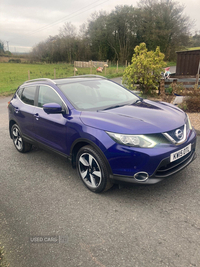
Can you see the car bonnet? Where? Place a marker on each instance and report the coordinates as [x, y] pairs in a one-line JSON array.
[[146, 117]]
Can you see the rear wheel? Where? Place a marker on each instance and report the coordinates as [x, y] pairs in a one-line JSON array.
[[18, 141], [92, 170]]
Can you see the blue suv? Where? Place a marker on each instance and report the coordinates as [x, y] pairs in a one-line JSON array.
[[109, 133]]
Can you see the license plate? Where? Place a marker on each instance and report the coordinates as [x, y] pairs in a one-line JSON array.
[[180, 153]]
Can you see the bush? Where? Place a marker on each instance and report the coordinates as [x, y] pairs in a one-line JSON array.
[[192, 102], [14, 60], [145, 69], [169, 90]]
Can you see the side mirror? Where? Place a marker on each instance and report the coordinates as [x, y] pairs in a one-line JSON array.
[[52, 108]]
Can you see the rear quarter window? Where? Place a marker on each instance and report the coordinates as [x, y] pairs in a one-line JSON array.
[[19, 91]]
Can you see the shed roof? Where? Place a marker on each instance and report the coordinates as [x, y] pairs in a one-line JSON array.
[[189, 51]]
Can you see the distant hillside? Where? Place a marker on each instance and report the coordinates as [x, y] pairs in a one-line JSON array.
[[20, 54], [13, 58]]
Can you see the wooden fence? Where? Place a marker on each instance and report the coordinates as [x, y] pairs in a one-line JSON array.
[[89, 64], [186, 84]]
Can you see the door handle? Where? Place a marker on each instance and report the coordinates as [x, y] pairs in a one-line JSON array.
[[16, 110], [36, 115]]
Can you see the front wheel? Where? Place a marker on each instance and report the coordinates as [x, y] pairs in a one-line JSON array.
[[92, 170], [18, 141]]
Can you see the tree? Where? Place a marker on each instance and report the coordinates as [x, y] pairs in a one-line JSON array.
[[195, 40], [163, 23], [1, 47], [96, 33], [114, 35], [67, 41], [62, 47], [145, 69], [121, 32]]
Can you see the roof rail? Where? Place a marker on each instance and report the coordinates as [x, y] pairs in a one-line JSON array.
[[40, 79], [88, 76]]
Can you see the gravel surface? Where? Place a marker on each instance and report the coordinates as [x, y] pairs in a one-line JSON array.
[[195, 121]]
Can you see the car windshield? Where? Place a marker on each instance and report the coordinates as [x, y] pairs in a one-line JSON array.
[[97, 95]]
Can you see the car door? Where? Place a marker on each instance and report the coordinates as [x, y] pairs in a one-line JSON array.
[[24, 109], [50, 129]]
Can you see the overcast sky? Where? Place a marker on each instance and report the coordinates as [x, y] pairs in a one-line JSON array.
[[25, 23]]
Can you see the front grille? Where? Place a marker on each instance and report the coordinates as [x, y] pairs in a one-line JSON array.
[[172, 133], [167, 168]]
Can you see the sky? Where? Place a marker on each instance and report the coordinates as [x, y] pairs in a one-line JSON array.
[[25, 23]]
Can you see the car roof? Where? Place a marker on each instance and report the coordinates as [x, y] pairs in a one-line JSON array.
[[65, 80]]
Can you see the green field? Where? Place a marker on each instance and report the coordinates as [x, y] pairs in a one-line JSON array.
[[194, 48], [13, 74]]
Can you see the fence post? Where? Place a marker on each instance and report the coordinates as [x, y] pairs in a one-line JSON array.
[[54, 73], [74, 68], [162, 89], [91, 67], [126, 64], [197, 76], [28, 74]]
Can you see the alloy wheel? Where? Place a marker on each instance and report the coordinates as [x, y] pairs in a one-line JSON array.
[[17, 139], [90, 170]]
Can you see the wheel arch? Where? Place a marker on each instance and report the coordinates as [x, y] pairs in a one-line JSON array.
[[11, 123], [78, 144]]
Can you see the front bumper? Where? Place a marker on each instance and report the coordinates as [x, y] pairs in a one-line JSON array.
[[156, 178], [158, 166]]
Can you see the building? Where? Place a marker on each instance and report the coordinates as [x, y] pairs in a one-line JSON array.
[[187, 63]]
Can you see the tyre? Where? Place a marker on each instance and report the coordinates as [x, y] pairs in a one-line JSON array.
[[92, 170], [18, 141]]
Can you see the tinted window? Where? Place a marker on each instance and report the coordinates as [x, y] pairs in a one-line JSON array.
[[48, 95], [28, 95], [19, 92]]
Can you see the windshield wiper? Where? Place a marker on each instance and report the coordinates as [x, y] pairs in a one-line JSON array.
[[111, 107]]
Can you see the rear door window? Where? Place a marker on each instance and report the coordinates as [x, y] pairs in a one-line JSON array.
[[28, 95]]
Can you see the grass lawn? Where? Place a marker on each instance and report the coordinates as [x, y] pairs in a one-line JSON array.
[[14, 74], [194, 48], [170, 64]]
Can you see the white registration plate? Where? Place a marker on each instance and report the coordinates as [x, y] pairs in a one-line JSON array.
[[180, 153]]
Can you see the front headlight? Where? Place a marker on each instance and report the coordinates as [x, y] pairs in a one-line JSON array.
[[189, 123], [132, 140]]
